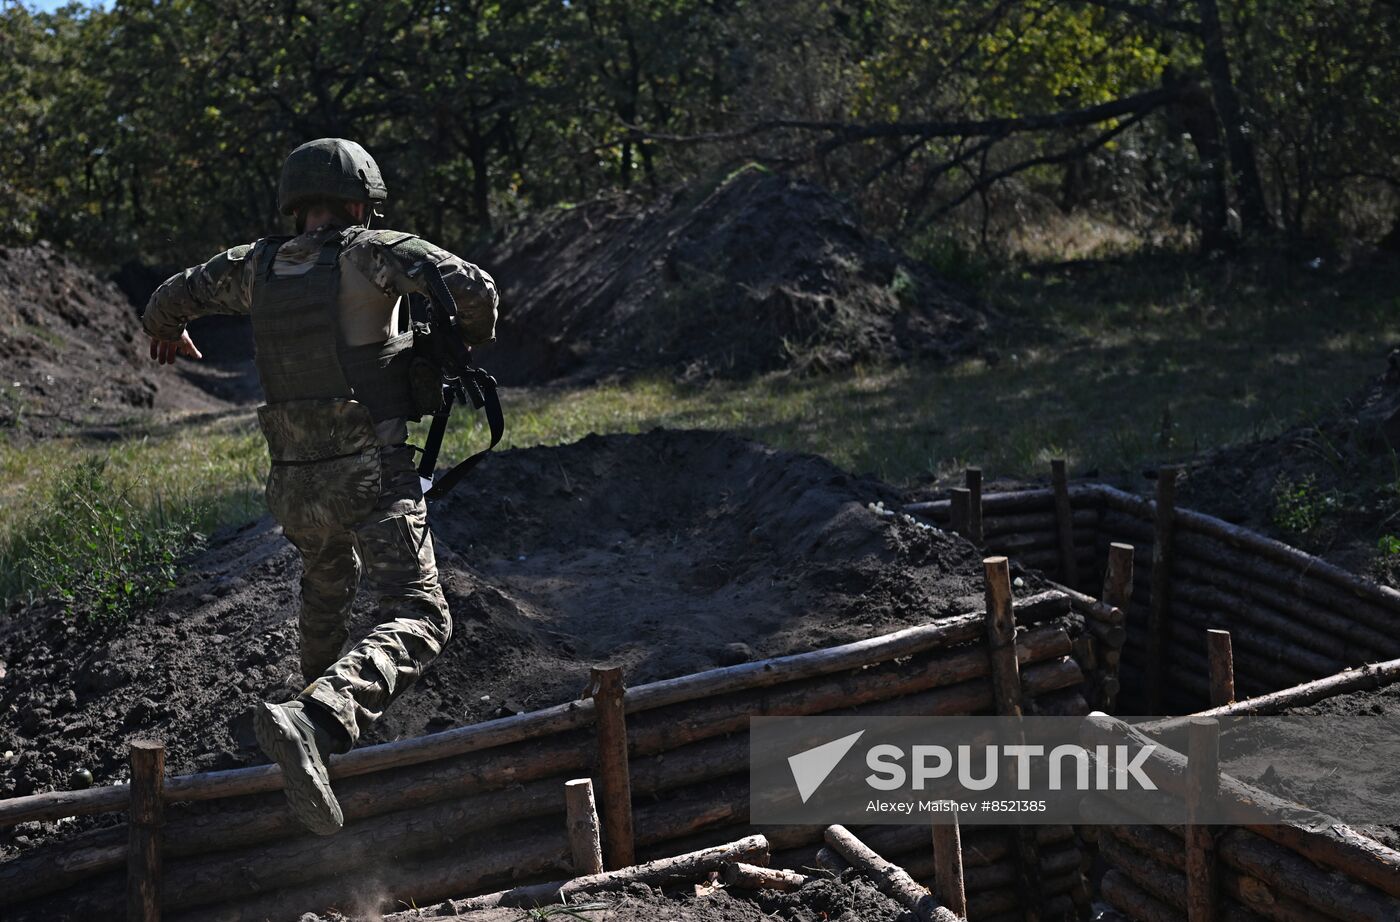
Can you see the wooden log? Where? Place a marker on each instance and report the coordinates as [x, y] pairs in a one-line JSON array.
[[1289, 877], [663, 872], [1336, 846], [1001, 653], [1015, 501], [1159, 611], [1069, 569], [889, 879], [1120, 892], [1118, 576], [1254, 617], [143, 887], [1162, 882], [585, 834], [1222, 668], [1202, 780], [1111, 627], [975, 523], [1085, 522], [1313, 622], [959, 510], [607, 694], [1001, 637], [1083, 542], [1276, 562], [1286, 662], [947, 865], [1362, 678], [1047, 560], [743, 876]]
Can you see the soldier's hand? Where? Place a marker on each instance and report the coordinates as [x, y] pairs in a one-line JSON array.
[[165, 350]]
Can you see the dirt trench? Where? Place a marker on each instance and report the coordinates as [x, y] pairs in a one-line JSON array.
[[668, 553]]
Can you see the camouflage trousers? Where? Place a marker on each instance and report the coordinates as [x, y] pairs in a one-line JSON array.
[[393, 549]]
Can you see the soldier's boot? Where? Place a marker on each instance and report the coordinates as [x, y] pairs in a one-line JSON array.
[[301, 742]]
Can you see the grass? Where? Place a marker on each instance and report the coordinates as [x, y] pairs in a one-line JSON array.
[[1115, 367]]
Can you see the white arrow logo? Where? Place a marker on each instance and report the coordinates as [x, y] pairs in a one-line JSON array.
[[811, 768]]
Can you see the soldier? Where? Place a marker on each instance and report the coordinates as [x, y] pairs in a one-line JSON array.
[[334, 350]]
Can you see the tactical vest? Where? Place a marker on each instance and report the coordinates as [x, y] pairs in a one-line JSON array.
[[300, 350]]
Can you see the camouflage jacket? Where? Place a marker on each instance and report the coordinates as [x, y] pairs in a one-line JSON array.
[[376, 270]]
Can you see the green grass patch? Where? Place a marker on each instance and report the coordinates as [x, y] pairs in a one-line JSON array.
[[101, 526]]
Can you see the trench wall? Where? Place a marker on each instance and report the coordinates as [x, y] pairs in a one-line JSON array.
[[481, 808]]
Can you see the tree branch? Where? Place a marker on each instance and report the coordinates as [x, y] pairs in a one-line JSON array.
[[1148, 14]]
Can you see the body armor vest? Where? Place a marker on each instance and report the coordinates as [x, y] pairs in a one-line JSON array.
[[300, 350]]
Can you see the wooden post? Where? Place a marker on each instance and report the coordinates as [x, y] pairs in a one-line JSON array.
[[1064, 520], [1222, 668], [948, 866], [1202, 787], [1158, 631], [1117, 593], [1006, 688], [974, 505], [960, 510], [1001, 637], [585, 838], [143, 831], [613, 774]]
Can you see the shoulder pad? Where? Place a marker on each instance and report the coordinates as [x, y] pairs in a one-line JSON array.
[[392, 239], [228, 260]]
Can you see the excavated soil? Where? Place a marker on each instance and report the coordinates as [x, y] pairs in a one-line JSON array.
[[1366, 785], [761, 273], [1342, 468], [73, 359], [668, 553], [847, 898]]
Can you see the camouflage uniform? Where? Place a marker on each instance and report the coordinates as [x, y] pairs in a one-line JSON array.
[[361, 512]]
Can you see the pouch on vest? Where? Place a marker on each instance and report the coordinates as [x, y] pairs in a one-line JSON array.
[[325, 470]]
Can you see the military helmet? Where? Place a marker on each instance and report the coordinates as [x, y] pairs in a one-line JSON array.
[[329, 168]]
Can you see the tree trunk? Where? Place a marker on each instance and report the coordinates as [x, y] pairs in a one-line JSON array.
[[1249, 188]]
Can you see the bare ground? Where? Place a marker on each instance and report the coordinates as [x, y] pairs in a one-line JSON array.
[[667, 553]]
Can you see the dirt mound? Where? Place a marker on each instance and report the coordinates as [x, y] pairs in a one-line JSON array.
[[847, 898], [1332, 488], [73, 358], [668, 553], [762, 273]]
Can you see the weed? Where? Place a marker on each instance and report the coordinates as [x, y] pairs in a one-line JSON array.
[[1299, 506], [97, 551]]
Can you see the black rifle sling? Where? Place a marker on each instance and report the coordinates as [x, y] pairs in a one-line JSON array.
[[466, 382]]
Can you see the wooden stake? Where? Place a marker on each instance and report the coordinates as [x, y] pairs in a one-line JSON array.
[[612, 766], [1006, 685], [143, 824], [1064, 520], [1001, 637], [1222, 668], [975, 529], [585, 838], [947, 865], [960, 510], [1157, 615], [1202, 785], [1117, 594]]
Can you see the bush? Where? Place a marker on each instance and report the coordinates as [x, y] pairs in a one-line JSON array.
[[1299, 505], [97, 551]]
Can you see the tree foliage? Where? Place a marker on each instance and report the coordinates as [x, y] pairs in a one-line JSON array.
[[155, 130]]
